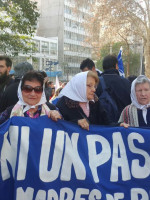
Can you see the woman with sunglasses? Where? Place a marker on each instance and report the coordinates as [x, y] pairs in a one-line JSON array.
[[32, 101]]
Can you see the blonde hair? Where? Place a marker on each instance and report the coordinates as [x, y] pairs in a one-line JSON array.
[[94, 76]]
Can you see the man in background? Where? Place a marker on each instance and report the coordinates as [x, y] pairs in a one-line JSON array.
[[118, 86], [48, 90], [51, 84], [10, 96], [5, 78], [87, 65]]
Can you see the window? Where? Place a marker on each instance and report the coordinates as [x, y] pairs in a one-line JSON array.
[[66, 47], [53, 48], [37, 45], [74, 36], [67, 35], [45, 47], [67, 22]]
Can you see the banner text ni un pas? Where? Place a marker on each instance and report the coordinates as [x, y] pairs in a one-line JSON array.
[[45, 160]]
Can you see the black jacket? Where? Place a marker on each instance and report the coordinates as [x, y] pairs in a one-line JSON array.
[[71, 111], [4, 84], [118, 87], [9, 97]]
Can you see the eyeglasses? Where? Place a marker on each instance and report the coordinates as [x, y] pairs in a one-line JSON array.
[[91, 86], [28, 89]]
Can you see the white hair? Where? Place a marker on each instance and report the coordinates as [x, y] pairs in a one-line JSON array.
[[142, 79]]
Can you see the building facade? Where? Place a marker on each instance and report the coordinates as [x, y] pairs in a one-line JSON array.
[[44, 57], [58, 19]]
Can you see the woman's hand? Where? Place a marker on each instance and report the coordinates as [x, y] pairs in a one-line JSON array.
[[124, 125], [54, 115], [84, 124]]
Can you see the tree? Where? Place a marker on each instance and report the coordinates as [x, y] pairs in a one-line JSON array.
[[18, 20], [118, 20]]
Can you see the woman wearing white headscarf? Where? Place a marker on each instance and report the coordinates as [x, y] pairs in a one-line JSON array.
[[32, 101], [78, 102], [137, 114]]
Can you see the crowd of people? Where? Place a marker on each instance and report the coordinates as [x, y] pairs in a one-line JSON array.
[[31, 94]]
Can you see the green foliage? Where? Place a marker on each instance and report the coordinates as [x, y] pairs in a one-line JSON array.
[[134, 62], [18, 20], [127, 56]]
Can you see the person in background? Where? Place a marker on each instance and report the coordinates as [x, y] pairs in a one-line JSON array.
[[32, 101], [52, 93], [60, 83], [64, 84], [131, 78], [50, 84], [137, 114], [51, 87], [55, 98], [89, 65], [10, 96], [48, 90], [118, 87], [5, 78], [78, 102]]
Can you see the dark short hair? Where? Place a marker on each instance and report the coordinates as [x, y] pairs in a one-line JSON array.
[[7, 60], [31, 76], [50, 82], [87, 63], [131, 78], [109, 62], [43, 73]]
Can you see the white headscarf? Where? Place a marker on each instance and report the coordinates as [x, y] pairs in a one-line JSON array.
[[134, 99], [27, 106], [76, 88]]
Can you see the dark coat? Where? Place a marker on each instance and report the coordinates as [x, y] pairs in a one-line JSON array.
[[71, 111], [48, 93], [10, 96], [4, 84], [118, 87]]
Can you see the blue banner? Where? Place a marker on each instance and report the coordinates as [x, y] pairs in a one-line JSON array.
[[45, 160]]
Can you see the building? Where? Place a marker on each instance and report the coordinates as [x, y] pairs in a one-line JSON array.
[[58, 19], [44, 57]]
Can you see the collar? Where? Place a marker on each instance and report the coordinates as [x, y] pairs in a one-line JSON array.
[[111, 71]]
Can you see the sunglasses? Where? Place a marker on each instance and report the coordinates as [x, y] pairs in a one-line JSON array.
[[28, 89]]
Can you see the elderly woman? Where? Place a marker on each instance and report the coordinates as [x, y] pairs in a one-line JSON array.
[[137, 114], [32, 100], [78, 102]]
